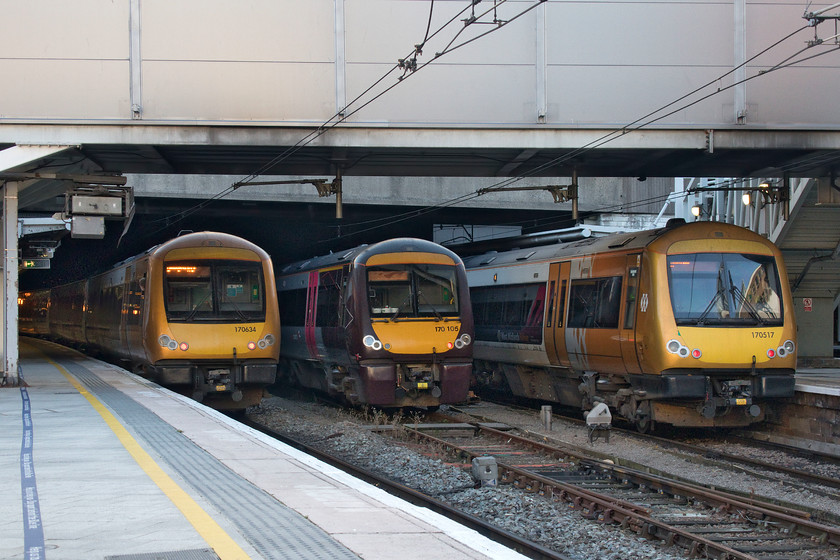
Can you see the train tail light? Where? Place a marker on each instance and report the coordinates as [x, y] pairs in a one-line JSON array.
[[696, 353], [253, 345], [771, 353], [184, 346]]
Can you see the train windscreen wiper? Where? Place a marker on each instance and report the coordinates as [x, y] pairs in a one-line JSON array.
[[721, 292], [194, 310], [420, 295], [740, 297]]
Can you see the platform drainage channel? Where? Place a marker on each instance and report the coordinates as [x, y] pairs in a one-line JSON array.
[[193, 554]]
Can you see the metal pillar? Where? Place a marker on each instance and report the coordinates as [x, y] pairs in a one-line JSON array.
[[10, 286]]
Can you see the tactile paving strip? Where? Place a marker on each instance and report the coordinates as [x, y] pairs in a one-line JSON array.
[[273, 529]]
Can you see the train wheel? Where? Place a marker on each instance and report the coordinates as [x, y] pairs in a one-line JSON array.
[[644, 422]]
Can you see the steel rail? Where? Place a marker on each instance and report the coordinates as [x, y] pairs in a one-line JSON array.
[[599, 506], [768, 511]]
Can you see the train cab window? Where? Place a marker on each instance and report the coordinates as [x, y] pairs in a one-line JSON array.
[[401, 291], [214, 291], [240, 291], [724, 289]]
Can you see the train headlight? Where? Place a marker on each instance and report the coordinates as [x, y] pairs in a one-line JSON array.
[[674, 346], [167, 342], [371, 342], [789, 346], [463, 340], [264, 342]]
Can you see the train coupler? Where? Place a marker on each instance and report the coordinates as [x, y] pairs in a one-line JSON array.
[[722, 396], [414, 389]]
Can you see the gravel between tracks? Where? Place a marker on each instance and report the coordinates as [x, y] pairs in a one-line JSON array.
[[650, 453], [553, 525]]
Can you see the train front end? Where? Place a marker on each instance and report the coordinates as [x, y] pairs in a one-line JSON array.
[[413, 337], [214, 328], [725, 335]]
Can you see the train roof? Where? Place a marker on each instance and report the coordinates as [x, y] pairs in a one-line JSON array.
[[360, 254], [199, 239], [629, 241]]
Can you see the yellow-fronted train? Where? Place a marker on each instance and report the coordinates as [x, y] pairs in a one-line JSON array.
[[197, 314], [687, 325], [388, 324]]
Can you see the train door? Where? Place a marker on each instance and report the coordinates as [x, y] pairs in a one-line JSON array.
[[555, 341], [628, 321], [311, 314], [592, 330]]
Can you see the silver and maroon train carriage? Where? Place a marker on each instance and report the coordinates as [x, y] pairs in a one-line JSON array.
[[197, 314], [388, 324], [689, 325]]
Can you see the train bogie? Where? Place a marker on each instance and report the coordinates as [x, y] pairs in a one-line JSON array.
[[690, 325], [388, 325]]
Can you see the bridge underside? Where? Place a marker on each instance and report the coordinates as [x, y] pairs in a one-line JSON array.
[[449, 152]]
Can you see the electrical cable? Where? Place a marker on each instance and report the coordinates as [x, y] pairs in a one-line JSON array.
[[341, 116], [630, 127]]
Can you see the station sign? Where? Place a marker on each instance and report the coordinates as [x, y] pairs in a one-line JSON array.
[[34, 263]]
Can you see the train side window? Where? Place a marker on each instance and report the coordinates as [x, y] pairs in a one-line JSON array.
[[329, 298], [550, 314], [511, 313], [630, 303], [561, 304], [292, 306], [595, 303]]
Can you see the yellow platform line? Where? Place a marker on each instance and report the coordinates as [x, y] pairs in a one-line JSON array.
[[221, 543]]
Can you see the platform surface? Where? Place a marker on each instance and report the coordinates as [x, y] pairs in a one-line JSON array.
[[824, 381], [101, 464]]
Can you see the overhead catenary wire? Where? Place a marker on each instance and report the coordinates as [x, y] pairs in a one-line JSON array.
[[637, 124], [342, 114], [606, 138]]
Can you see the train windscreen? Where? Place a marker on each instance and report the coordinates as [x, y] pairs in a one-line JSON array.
[[214, 291], [725, 289], [401, 291]]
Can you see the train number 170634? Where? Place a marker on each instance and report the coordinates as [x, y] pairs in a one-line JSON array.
[[245, 329]]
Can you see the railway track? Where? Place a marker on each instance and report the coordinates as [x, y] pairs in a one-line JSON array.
[[732, 453], [704, 522]]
